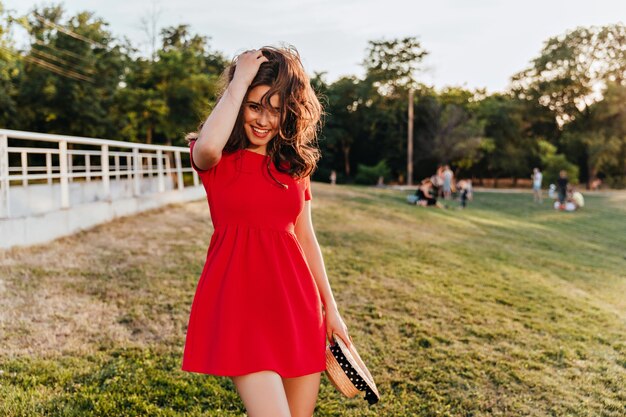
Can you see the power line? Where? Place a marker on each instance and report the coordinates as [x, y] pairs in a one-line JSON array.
[[50, 67], [69, 32], [47, 45], [63, 51], [59, 60]]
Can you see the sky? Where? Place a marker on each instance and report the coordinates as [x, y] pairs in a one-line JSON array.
[[471, 43]]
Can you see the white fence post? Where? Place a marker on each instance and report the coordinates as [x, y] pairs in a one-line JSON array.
[[70, 163], [104, 167], [168, 168], [151, 174], [137, 172], [179, 170], [49, 167], [87, 168], [161, 180], [129, 167], [24, 161], [116, 161], [4, 177], [65, 187]]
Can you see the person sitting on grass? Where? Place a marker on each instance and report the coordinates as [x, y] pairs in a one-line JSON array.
[[427, 194], [573, 201]]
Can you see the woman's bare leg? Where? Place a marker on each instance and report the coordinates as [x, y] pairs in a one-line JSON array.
[[302, 394], [262, 394]]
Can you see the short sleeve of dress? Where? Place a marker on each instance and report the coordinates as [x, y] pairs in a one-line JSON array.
[[193, 165], [307, 188]]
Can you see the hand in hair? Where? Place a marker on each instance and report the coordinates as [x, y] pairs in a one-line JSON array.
[[247, 65]]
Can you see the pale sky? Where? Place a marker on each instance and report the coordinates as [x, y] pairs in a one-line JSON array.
[[472, 43]]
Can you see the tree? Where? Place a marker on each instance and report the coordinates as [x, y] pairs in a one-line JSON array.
[[393, 64], [10, 69], [510, 150], [342, 128], [602, 135], [164, 98], [71, 73], [458, 136], [554, 163], [391, 67], [573, 68]]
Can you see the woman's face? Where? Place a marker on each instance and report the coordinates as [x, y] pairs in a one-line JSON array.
[[260, 123]]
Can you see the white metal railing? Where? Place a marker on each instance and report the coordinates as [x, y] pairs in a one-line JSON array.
[[89, 159]]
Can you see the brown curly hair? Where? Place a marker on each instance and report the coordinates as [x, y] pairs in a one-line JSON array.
[[294, 149]]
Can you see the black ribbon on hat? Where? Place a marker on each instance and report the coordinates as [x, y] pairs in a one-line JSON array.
[[354, 377]]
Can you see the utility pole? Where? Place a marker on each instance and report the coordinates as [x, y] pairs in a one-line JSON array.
[[409, 158]]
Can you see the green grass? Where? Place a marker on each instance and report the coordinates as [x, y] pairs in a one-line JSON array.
[[506, 308]]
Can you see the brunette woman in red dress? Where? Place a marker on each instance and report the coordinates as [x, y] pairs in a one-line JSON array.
[[263, 308]]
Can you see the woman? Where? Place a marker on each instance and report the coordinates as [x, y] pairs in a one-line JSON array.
[[257, 313], [426, 195]]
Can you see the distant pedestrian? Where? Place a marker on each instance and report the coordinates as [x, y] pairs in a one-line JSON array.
[[537, 178], [595, 184], [448, 176], [552, 192], [333, 177], [561, 186], [465, 190]]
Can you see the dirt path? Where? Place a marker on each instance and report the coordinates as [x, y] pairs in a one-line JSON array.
[[116, 283]]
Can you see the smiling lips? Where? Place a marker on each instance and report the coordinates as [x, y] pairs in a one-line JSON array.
[[260, 133]]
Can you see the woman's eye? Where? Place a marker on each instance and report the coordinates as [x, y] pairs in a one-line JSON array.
[[254, 107]]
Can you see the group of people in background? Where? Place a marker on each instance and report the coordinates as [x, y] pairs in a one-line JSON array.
[[441, 186], [565, 196]]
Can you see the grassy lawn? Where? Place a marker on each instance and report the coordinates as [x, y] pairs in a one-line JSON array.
[[506, 308]]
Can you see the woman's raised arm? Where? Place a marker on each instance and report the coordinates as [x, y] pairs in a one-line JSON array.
[[219, 125]]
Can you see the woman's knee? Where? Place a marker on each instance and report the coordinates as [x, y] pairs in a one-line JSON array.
[[302, 394], [262, 394]]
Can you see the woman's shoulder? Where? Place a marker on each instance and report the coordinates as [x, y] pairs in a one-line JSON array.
[[225, 156]]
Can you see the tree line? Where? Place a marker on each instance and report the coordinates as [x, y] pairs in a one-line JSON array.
[[566, 110]]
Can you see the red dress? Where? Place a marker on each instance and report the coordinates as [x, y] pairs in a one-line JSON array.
[[256, 306]]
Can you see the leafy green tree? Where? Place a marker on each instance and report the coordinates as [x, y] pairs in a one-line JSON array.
[[510, 152], [447, 131], [392, 64], [164, 98], [71, 73], [343, 125], [369, 175], [572, 68], [10, 68], [568, 79], [554, 162], [602, 135]]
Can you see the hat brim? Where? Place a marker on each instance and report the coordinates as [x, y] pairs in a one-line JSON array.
[[348, 373]]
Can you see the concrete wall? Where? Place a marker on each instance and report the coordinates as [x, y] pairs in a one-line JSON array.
[[46, 226], [42, 198]]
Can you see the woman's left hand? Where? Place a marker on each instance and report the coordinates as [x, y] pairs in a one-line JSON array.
[[335, 324]]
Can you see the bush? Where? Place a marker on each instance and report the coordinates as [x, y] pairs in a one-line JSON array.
[[368, 175], [553, 163]]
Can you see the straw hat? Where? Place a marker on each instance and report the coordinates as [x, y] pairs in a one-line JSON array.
[[348, 373]]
